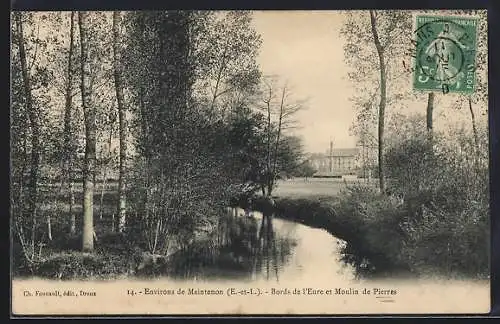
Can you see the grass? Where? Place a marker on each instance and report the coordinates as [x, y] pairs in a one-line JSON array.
[[314, 187]]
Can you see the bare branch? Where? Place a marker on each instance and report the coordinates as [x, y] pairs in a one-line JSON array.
[[33, 59]]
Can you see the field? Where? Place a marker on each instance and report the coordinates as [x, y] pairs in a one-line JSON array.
[[311, 187]]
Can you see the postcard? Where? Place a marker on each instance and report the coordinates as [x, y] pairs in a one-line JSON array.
[[249, 162]]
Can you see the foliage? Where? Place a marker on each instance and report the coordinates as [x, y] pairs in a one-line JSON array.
[[304, 170], [436, 221], [360, 54]]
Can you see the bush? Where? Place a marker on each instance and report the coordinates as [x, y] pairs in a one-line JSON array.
[[455, 243], [445, 227], [373, 236], [77, 265]]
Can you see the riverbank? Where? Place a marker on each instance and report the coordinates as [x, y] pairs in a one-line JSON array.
[[380, 241], [382, 238], [324, 212], [224, 247]]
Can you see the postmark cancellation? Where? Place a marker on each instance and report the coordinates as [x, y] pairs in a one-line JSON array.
[[445, 53]]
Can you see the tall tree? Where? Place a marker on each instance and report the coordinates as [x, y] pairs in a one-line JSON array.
[[33, 115], [90, 136], [383, 98], [372, 43], [174, 140], [68, 129], [280, 109], [25, 107], [117, 65]]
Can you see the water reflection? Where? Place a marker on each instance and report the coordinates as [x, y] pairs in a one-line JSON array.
[[250, 249], [242, 247], [275, 250]]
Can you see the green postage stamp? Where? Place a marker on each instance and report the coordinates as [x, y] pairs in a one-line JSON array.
[[445, 56]]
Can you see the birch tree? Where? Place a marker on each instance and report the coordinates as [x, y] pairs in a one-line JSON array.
[[28, 239], [90, 136], [118, 78], [68, 129]]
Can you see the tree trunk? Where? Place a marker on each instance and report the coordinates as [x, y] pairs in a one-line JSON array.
[[68, 148], [122, 119], [474, 128], [268, 177], [90, 138], [72, 228], [382, 104], [33, 114], [144, 120], [276, 148], [218, 80], [268, 173], [104, 181], [430, 108], [49, 228], [24, 163]]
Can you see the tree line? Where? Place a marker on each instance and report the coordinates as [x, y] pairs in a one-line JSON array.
[[171, 104]]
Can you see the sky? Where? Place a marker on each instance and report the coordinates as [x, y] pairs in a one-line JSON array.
[[305, 49]]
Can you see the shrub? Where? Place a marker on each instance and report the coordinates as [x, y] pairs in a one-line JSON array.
[[373, 236], [77, 265], [444, 190], [455, 243]]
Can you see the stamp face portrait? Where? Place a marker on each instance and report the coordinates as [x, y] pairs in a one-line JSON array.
[[445, 50], [227, 162]]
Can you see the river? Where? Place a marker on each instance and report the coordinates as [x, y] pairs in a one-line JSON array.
[[315, 254], [288, 252]]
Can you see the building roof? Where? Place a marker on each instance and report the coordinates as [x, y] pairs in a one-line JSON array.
[[345, 152], [338, 152]]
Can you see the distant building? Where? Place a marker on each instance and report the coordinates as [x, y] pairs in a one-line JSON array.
[[336, 162]]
